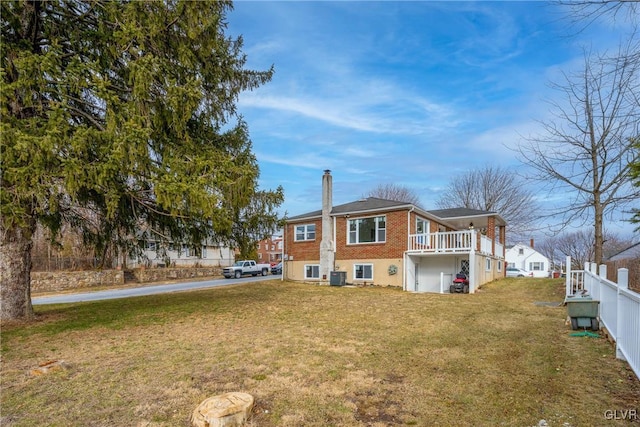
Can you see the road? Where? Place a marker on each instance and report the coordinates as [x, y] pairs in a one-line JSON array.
[[144, 290]]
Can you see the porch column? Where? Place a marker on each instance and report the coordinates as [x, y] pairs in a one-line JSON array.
[[472, 271], [503, 238], [491, 233]]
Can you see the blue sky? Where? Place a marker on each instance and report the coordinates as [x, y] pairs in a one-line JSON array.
[[411, 93]]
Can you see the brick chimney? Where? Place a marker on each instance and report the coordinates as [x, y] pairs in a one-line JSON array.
[[327, 254], [531, 243]]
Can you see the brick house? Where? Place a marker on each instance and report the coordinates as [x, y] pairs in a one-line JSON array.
[[390, 243], [270, 250]]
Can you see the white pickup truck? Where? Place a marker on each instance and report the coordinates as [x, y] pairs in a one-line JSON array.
[[242, 268]]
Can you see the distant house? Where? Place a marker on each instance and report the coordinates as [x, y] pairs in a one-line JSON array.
[[158, 254], [629, 259], [528, 259], [632, 252], [270, 250], [390, 243]]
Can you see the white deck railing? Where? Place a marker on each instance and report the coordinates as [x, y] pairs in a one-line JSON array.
[[619, 308], [452, 242], [485, 245], [449, 241], [499, 249]]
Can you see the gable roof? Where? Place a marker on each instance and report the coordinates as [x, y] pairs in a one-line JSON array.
[[362, 205], [459, 212], [457, 218]]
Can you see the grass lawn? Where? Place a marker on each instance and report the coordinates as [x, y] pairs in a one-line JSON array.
[[316, 356]]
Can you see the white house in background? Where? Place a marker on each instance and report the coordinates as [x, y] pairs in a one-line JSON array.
[[173, 255], [525, 257]]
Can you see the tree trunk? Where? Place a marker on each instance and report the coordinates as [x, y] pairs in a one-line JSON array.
[[598, 231], [15, 273]]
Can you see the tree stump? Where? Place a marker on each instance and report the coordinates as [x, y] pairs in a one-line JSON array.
[[225, 410]]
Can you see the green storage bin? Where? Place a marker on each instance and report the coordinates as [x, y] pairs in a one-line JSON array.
[[583, 311]]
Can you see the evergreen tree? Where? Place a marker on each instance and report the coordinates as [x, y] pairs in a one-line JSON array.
[[119, 118]]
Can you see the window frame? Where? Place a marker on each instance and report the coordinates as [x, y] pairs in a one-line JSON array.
[[312, 266], [363, 265], [426, 225], [487, 264], [356, 221], [305, 232], [534, 264]]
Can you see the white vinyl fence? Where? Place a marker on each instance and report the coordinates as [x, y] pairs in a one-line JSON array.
[[619, 308]]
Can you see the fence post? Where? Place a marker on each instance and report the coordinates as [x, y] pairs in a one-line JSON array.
[[623, 283], [603, 271], [597, 286], [567, 276]]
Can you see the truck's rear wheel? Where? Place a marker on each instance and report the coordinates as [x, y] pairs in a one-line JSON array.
[[265, 271], [238, 274]]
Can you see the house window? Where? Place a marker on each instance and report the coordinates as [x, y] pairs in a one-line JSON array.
[[203, 254], [536, 266], [305, 232], [367, 230], [258, 246], [520, 251], [186, 250], [363, 271], [260, 255], [488, 264], [422, 226], [312, 271], [499, 265]]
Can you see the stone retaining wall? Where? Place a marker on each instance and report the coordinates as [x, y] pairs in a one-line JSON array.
[[65, 280], [148, 275], [42, 281]]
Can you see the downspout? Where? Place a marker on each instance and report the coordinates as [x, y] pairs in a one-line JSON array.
[[284, 232], [333, 267]]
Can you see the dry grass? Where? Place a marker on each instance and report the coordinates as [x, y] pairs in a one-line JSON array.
[[316, 356]]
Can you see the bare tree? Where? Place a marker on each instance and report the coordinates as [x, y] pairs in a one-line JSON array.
[[586, 151], [398, 193], [549, 248], [583, 13], [579, 245], [496, 189]]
